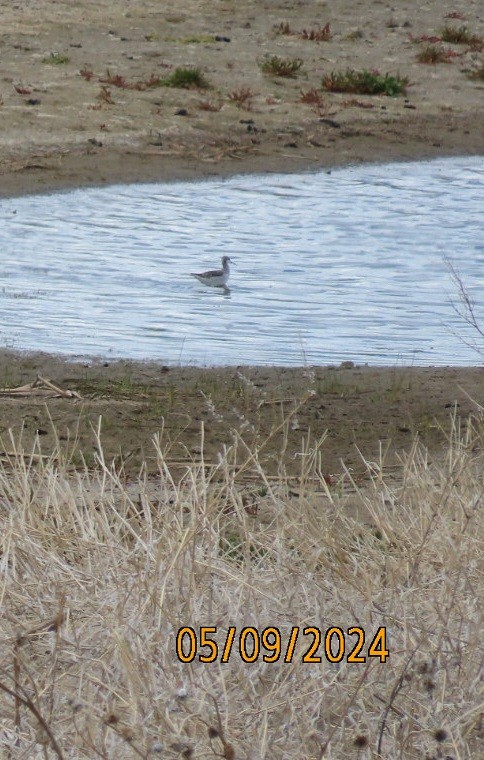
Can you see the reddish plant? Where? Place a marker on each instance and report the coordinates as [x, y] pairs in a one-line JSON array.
[[312, 97], [242, 98], [208, 105], [87, 74], [322, 34]]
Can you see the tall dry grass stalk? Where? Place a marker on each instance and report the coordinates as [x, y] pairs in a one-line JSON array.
[[98, 574]]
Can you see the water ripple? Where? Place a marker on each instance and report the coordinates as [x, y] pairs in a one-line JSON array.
[[330, 266]]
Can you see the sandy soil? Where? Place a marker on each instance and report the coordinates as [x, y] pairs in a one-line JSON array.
[[64, 125]]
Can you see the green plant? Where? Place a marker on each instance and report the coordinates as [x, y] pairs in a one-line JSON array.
[[56, 59], [186, 78], [365, 82], [275, 66], [331, 384], [124, 385], [235, 548]]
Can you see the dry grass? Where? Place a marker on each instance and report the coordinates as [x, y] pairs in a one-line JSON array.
[[242, 98], [210, 105], [318, 34], [312, 97], [314, 34], [104, 95], [98, 574], [433, 54], [461, 36]]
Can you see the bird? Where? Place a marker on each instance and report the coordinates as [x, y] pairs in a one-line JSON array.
[[215, 278]]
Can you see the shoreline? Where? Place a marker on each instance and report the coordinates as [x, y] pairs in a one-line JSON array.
[[49, 172], [99, 360]]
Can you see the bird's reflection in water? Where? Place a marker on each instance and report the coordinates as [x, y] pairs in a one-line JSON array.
[[220, 290]]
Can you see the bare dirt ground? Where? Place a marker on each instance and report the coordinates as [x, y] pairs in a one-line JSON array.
[[78, 106], [374, 413]]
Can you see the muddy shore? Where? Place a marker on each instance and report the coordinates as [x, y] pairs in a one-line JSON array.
[[362, 413]]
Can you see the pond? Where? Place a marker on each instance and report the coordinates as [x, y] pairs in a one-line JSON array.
[[329, 266]]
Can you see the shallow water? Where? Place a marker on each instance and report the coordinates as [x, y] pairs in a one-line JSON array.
[[330, 267]]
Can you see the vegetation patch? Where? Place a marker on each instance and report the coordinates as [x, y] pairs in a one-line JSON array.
[[433, 39], [112, 586], [242, 98], [56, 59], [209, 105], [456, 15], [365, 82], [354, 36], [117, 80], [319, 34], [186, 78], [275, 66], [316, 34], [193, 39], [86, 74], [433, 54], [354, 103], [120, 81], [104, 96], [312, 97], [284, 28], [461, 36]]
